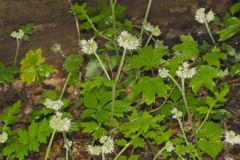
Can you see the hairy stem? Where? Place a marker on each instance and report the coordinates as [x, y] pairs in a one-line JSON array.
[[182, 129], [102, 65], [159, 152], [65, 85], [149, 38], [116, 82], [204, 121], [17, 52], [49, 145], [145, 17], [121, 152], [209, 32]]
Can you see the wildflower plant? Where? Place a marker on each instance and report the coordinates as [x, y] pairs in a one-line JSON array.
[[118, 83]]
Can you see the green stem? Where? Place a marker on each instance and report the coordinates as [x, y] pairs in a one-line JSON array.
[[159, 152], [68, 147], [65, 85], [116, 82], [103, 156], [209, 32], [121, 152], [182, 129], [145, 17], [149, 38], [113, 16], [204, 121], [185, 101], [102, 65], [178, 86], [49, 145], [66, 157], [17, 52]]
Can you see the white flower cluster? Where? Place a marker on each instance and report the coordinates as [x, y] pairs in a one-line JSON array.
[[163, 72], [154, 30], [3, 137], [17, 35], [128, 41], [176, 114], [232, 138], [89, 46], [201, 16], [185, 72], [169, 146], [51, 104], [56, 47], [59, 123], [106, 147]]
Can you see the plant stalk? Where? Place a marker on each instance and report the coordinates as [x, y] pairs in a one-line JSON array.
[[204, 121], [182, 129], [159, 152], [113, 16], [149, 38], [65, 85], [145, 17], [68, 147], [102, 65], [17, 52], [209, 32], [116, 82], [121, 152], [49, 145]]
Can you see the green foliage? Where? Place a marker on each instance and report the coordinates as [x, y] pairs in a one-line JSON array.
[[204, 77], [209, 139], [72, 62], [27, 140], [9, 115], [149, 87], [148, 58], [28, 30], [213, 58], [7, 73], [33, 67]]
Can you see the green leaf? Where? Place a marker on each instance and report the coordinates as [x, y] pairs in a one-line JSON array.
[[210, 139], [72, 62], [93, 69], [188, 48], [213, 58], [235, 70], [32, 66], [204, 77], [150, 87], [9, 115], [235, 8], [28, 30], [148, 58], [89, 127], [7, 73], [138, 142]]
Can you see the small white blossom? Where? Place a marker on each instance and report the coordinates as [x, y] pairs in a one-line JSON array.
[[185, 72], [89, 46], [56, 47], [3, 137], [169, 146], [128, 41], [108, 144], [176, 114], [201, 16], [17, 35], [60, 124], [94, 150], [232, 138], [154, 30], [51, 104], [68, 144], [163, 72]]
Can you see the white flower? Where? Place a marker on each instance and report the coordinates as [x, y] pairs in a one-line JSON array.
[[60, 124], [51, 104], [108, 144], [56, 47], [163, 72], [68, 144], [89, 46], [154, 30], [176, 114], [169, 146], [185, 72], [201, 16], [232, 138], [94, 150], [3, 137], [18, 35], [128, 41]]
